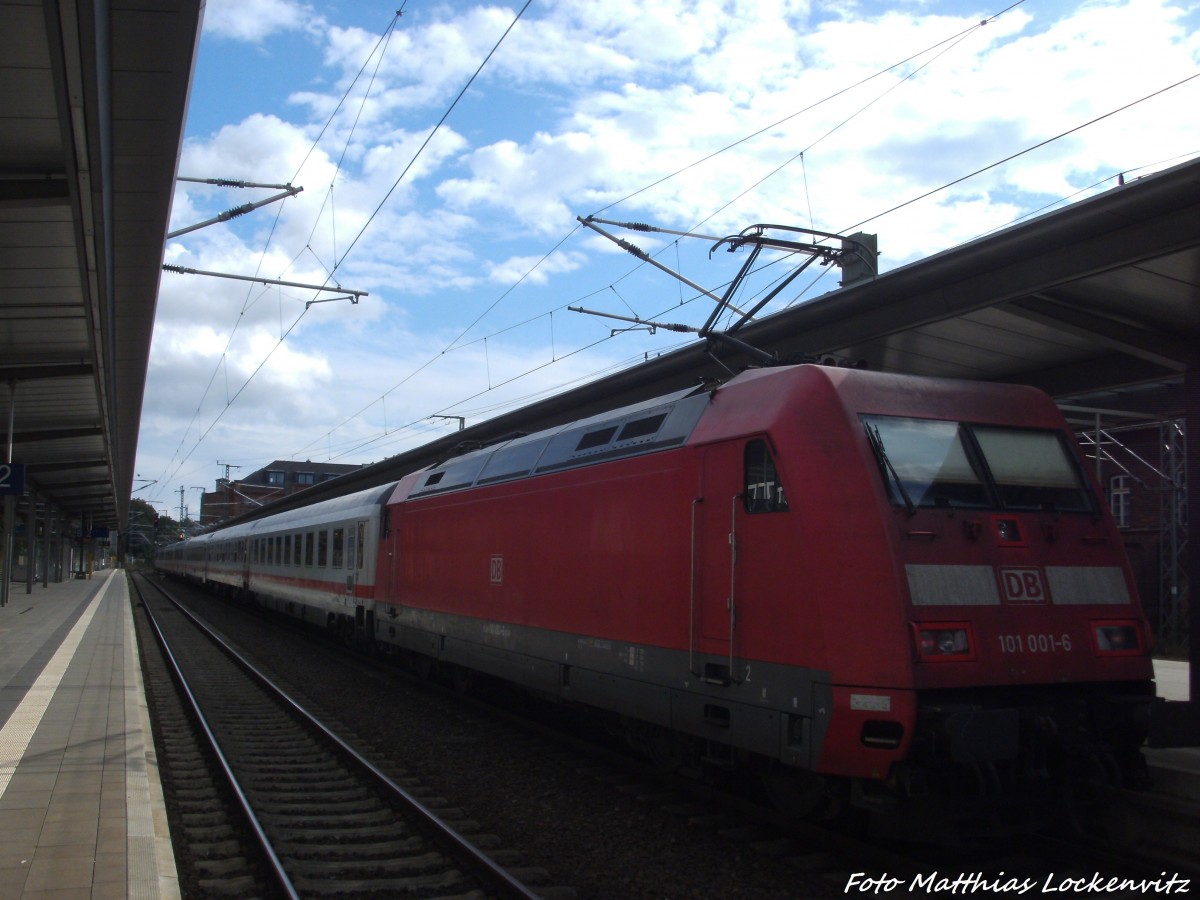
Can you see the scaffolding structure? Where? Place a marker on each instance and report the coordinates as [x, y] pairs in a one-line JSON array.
[[1165, 478], [1172, 548]]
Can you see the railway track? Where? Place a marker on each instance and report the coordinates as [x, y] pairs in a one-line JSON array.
[[605, 822], [316, 820]]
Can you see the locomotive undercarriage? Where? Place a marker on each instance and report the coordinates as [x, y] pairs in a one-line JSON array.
[[1014, 759], [981, 761]]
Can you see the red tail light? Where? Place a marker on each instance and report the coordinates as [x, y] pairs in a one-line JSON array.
[[944, 641], [1118, 638]]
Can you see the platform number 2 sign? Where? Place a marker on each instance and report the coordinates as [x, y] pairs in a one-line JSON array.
[[12, 478]]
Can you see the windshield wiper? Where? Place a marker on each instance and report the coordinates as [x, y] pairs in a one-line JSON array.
[[877, 446]]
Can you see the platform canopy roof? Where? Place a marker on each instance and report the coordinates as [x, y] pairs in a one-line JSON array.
[[92, 103], [1097, 303]]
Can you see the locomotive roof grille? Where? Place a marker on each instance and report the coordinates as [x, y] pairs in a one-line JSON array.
[[642, 427], [596, 438], [645, 428]]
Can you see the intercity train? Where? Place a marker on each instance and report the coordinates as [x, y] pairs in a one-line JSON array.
[[866, 588]]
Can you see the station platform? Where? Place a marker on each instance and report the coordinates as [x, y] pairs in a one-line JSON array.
[[81, 808]]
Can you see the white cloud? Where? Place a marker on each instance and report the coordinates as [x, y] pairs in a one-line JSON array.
[[254, 20], [585, 106], [537, 269]]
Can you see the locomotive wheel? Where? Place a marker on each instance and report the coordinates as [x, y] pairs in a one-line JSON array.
[[423, 666], [462, 678], [662, 748], [1090, 792], [804, 795]]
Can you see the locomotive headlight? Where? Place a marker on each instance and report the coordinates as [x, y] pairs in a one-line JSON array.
[[1117, 638], [943, 641], [952, 641]]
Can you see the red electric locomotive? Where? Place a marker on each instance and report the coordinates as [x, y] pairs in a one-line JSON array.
[[808, 572]]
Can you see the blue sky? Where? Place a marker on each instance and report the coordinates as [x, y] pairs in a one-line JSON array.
[[685, 114]]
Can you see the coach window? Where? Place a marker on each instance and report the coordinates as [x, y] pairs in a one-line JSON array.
[[339, 536], [308, 549], [322, 549], [280, 559], [296, 555], [362, 534], [287, 550], [764, 492]]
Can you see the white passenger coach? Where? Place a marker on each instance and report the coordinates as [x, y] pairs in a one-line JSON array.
[[317, 563]]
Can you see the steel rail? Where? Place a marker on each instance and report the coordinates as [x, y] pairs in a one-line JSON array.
[[439, 830], [276, 865]]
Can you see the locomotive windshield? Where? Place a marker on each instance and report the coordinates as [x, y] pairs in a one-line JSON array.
[[934, 463]]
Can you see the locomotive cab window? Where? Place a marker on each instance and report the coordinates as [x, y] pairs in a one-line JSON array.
[[1032, 470], [926, 462], [938, 463], [763, 490]]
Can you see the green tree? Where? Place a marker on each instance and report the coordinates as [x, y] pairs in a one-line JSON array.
[[148, 529]]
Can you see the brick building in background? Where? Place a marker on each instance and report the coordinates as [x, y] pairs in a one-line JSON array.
[[1143, 474], [280, 479]]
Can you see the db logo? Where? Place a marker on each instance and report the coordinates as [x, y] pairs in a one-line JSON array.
[[1023, 585], [497, 569]]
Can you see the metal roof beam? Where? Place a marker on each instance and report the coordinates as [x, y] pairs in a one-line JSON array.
[[69, 465], [1002, 269], [57, 434], [1155, 347], [1081, 378], [21, 193], [44, 372]]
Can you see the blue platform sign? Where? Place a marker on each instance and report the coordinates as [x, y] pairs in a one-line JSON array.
[[12, 478]]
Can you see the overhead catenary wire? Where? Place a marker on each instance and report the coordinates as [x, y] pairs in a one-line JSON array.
[[366, 225], [1019, 153], [954, 38], [459, 343], [436, 128], [949, 42], [844, 230], [382, 42]]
